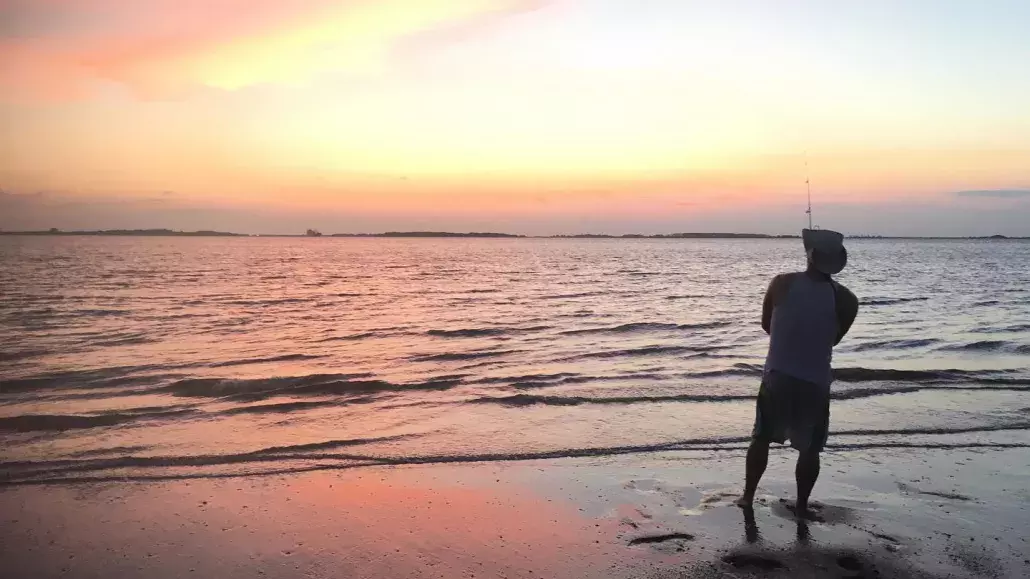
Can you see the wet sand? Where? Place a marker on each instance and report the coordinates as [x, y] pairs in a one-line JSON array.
[[943, 513]]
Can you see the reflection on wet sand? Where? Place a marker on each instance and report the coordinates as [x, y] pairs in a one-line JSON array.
[[378, 524]]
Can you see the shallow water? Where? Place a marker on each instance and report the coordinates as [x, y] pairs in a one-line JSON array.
[[186, 357]]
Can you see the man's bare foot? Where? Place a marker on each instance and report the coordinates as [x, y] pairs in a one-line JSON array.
[[802, 511], [745, 501]]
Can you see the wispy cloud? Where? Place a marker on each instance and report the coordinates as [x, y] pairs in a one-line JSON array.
[[57, 48], [996, 193]]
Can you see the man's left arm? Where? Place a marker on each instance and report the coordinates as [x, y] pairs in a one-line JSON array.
[[847, 311], [772, 298]]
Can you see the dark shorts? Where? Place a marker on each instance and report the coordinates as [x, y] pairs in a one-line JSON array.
[[789, 408]]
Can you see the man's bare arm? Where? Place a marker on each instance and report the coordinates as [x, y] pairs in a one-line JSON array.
[[847, 311], [772, 297]]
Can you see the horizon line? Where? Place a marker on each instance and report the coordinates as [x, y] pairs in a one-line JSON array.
[[164, 232]]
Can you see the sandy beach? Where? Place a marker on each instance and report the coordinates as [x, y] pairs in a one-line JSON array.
[[905, 513]]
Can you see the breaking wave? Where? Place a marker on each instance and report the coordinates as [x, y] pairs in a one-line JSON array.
[[312, 456]]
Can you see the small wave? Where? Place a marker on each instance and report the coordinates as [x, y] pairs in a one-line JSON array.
[[858, 375], [982, 345], [735, 370], [21, 355], [310, 385], [287, 407], [932, 431], [986, 303], [351, 387], [110, 450], [987, 346], [283, 358], [574, 295], [218, 387], [295, 452], [183, 316], [266, 303], [856, 393], [891, 301], [892, 375], [531, 399], [59, 422], [468, 333], [351, 337], [64, 471], [579, 379], [331, 444], [99, 313], [581, 315], [460, 356], [894, 344], [270, 454], [1014, 329], [645, 351], [647, 327], [525, 378], [484, 291], [86, 379], [519, 400], [685, 297], [125, 341]]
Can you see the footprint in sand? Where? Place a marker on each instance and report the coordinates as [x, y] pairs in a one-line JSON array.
[[853, 568], [644, 485], [753, 561], [817, 512], [652, 539], [719, 497], [848, 566], [666, 542]]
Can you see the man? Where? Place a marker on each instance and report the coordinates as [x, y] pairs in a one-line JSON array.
[[805, 314]]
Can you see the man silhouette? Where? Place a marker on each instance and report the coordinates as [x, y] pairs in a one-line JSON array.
[[805, 314]]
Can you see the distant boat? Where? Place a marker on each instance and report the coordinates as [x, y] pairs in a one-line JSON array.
[[313, 233]]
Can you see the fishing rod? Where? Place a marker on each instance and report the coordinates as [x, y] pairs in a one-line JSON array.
[[808, 189]]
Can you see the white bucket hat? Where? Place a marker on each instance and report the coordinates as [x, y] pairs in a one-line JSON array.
[[825, 249]]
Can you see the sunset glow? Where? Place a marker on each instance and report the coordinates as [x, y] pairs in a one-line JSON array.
[[522, 115]]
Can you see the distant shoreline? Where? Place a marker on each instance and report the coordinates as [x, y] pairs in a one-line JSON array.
[[473, 235]]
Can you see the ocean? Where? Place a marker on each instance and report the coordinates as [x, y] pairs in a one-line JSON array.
[[174, 358]]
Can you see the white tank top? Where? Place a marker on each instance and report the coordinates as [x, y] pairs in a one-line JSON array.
[[803, 331]]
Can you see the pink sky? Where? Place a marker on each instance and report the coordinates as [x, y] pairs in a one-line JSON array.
[[523, 115]]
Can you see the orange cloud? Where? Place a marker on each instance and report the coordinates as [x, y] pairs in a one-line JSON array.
[[58, 48]]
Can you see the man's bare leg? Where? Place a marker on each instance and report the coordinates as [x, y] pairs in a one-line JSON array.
[[757, 460], [806, 473]]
